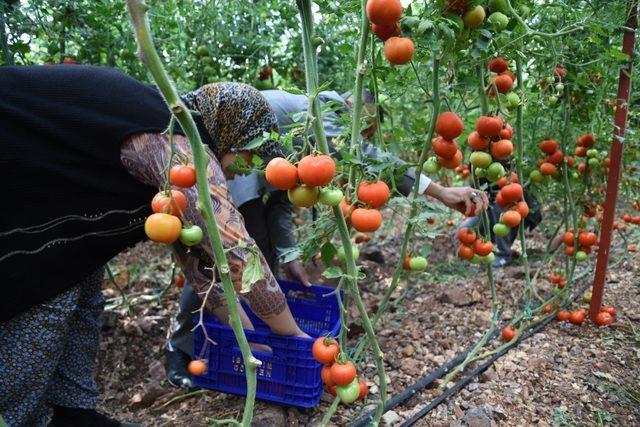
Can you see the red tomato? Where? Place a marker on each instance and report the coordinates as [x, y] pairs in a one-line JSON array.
[[374, 194], [603, 318], [482, 248], [477, 142], [563, 315], [171, 202], [489, 125], [281, 173], [512, 192], [508, 333], [326, 375], [343, 373], [449, 125], [399, 50], [182, 176], [178, 281], [197, 367], [577, 317], [498, 65], [364, 390], [549, 146], [609, 309], [316, 171], [445, 148], [465, 252], [466, 236], [384, 12], [325, 350], [366, 220]]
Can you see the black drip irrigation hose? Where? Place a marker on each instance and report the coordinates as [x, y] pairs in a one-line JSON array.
[[396, 400]]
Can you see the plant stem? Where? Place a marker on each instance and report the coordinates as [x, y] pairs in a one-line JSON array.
[[520, 171], [310, 60], [149, 56], [4, 40]]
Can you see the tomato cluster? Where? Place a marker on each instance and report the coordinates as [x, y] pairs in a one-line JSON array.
[[448, 126], [577, 317], [503, 80], [558, 279], [384, 16], [473, 249], [165, 224], [338, 374], [586, 240]]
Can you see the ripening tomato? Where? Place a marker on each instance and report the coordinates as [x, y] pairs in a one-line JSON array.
[[587, 238], [489, 125], [508, 333], [512, 192], [482, 248], [171, 202], [399, 50], [603, 318], [522, 208], [281, 173], [178, 280], [303, 196], [547, 169], [197, 367], [477, 142], [384, 32], [577, 317], [366, 220], [375, 194], [346, 208], [325, 374], [384, 12], [406, 264], [465, 252], [498, 65], [163, 228], [503, 83], [511, 219], [325, 350], [451, 163], [568, 238], [445, 148], [449, 125], [343, 373], [183, 176], [467, 236], [502, 149], [547, 309], [549, 146], [348, 393], [316, 170], [364, 390], [563, 315]]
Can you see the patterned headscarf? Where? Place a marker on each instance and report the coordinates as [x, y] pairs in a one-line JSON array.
[[234, 114]]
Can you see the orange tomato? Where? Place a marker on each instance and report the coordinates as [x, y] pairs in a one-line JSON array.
[[399, 50], [163, 228], [281, 173], [366, 220], [171, 202]]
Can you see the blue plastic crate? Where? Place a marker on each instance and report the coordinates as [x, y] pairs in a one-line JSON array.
[[290, 375]]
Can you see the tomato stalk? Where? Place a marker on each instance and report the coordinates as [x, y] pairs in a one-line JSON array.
[[310, 60], [520, 171], [148, 55]]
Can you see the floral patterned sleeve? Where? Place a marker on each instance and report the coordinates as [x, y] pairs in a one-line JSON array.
[[145, 156]]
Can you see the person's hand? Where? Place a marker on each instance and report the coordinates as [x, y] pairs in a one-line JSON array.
[[294, 270], [464, 199]]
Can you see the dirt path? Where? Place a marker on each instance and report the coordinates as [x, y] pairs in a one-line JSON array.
[[564, 375]]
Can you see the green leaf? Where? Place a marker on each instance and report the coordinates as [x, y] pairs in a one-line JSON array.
[[253, 272], [327, 252], [290, 255], [425, 25], [257, 142], [332, 273]]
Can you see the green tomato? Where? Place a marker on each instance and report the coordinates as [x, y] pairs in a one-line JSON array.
[[555, 291], [581, 256], [553, 99], [191, 236], [476, 259], [559, 87], [303, 196], [536, 176], [593, 162], [495, 171], [593, 153], [480, 159], [473, 18], [550, 80], [330, 196], [431, 165], [418, 263], [209, 70], [498, 20], [501, 230], [586, 298], [202, 51], [342, 256], [513, 100], [480, 173], [498, 6], [489, 258], [348, 393], [524, 11]]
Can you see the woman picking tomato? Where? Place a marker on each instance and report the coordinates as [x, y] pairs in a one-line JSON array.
[[87, 152]]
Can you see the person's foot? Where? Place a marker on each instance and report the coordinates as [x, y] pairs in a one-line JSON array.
[[176, 363], [77, 417]]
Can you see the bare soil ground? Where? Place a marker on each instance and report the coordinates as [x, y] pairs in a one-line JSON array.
[[563, 375]]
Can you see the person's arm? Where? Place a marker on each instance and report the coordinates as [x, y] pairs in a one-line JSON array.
[[145, 156]]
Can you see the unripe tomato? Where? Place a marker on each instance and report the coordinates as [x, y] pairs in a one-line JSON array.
[[480, 159], [366, 220], [191, 236], [330, 196], [281, 173], [431, 165], [349, 393], [171, 202], [197, 367], [325, 350], [495, 171], [163, 228], [536, 176], [581, 256], [317, 170], [354, 251], [473, 18], [375, 194], [182, 176], [303, 196], [418, 263], [500, 230]]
